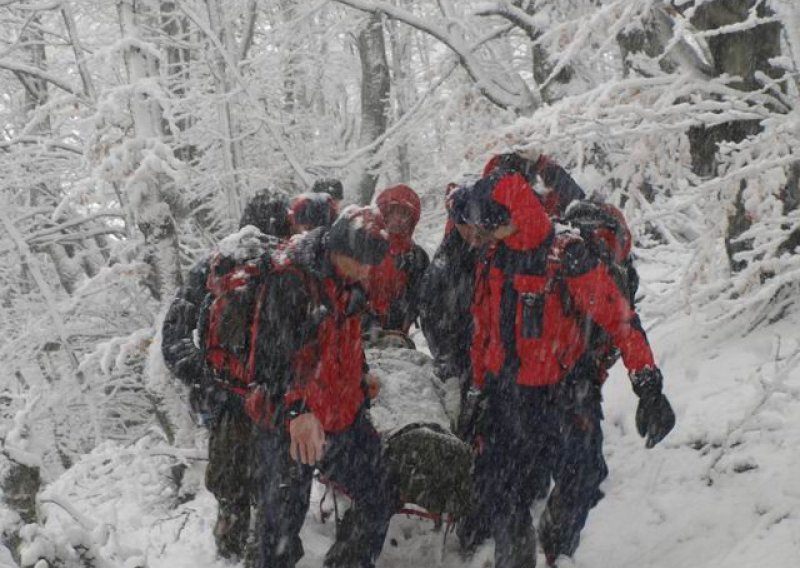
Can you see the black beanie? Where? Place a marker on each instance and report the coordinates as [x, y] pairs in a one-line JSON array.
[[268, 211], [359, 233], [331, 186]]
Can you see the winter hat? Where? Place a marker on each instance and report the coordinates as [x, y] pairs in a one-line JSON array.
[[268, 211], [359, 233], [403, 196], [313, 209], [331, 186]]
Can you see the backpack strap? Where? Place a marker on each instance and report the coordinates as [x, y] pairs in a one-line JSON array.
[[555, 268]]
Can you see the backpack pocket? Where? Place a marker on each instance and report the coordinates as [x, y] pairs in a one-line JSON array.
[[532, 306]]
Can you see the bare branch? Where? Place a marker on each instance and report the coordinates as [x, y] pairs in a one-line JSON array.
[[17, 67], [513, 14], [47, 143], [69, 224], [249, 28], [77, 48]]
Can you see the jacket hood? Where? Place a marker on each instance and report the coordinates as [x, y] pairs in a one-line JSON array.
[[500, 199], [526, 212], [401, 195]]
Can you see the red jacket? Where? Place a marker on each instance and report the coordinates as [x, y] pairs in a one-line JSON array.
[[394, 284], [520, 320], [312, 345]]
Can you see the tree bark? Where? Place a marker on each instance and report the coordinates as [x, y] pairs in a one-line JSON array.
[[231, 153], [400, 50], [375, 85], [176, 27], [742, 54]]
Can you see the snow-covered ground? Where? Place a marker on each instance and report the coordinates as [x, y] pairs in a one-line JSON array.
[[722, 491]]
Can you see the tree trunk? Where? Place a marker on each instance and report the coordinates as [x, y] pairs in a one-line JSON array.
[[36, 96], [375, 86], [741, 54], [176, 27], [231, 153], [401, 53], [151, 211]]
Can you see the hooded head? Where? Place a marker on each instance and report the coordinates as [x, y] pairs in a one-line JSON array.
[[268, 212], [503, 200], [311, 210], [359, 234], [400, 207], [512, 162]]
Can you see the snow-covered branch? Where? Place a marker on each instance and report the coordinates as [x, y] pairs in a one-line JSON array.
[[508, 92], [18, 67]]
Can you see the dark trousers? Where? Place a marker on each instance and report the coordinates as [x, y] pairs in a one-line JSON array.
[[520, 438], [530, 436], [228, 478], [579, 469], [353, 460]]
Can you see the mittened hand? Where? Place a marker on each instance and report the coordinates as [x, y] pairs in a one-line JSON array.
[[654, 415], [654, 419]]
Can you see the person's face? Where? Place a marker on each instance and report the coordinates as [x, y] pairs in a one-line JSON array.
[[399, 220], [349, 268]]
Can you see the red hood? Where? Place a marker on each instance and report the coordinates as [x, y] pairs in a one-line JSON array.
[[526, 211], [404, 196]]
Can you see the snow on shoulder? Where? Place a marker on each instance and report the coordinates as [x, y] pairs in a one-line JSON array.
[[248, 242]]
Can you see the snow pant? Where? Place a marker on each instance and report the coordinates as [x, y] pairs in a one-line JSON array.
[[354, 460], [519, 437], [580, 467], [228, 478]]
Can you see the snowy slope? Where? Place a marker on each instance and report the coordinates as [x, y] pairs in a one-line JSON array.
[[722, 491]]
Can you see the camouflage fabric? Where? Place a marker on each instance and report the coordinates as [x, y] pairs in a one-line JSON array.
[[432, 468], [228, 478]]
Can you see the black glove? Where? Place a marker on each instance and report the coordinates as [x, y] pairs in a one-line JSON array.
[[473, 409], [654, 415]]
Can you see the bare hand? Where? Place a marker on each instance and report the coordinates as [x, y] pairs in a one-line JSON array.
[[307, 439]]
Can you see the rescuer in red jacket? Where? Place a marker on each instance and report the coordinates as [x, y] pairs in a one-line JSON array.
[[531, 292], [310, 407], [394, 285]]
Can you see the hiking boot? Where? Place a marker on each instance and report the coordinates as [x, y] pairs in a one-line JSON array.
[[471, 535], [350, 549]]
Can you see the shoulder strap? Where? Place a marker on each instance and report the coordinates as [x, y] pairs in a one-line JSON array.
[[554, 271]]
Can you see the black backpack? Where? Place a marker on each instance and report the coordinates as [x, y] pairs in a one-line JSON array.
[[605, 233]]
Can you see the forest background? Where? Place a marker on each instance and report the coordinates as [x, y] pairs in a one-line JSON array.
[[132, 133]]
